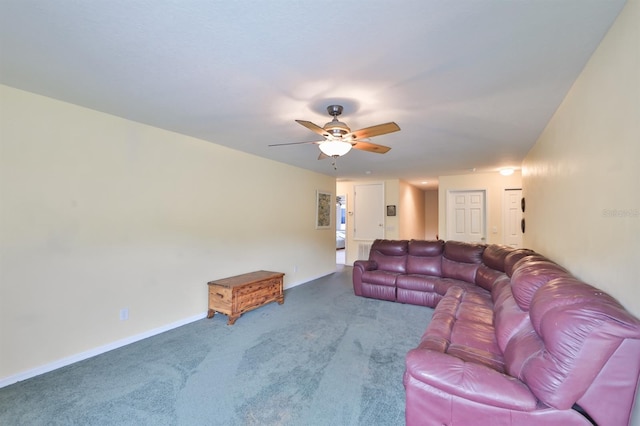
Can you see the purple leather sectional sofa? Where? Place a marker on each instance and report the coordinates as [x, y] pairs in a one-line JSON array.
[[515, 339]]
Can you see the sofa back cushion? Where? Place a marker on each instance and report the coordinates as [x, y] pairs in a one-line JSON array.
[[486, 277], [425, 257], [463, 252], [511, 259], [573, 331], [531, 274], [461, 260], [494, 255], [390, 255], [508, 318]]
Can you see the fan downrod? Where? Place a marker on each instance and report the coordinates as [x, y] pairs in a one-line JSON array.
[[334, 110]]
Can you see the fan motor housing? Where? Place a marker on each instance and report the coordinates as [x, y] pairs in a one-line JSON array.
[[336, 128]]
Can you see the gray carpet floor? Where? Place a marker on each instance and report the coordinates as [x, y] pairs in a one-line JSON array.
[[325, 357]]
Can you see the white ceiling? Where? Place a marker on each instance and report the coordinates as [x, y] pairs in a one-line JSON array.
[[472, 83]]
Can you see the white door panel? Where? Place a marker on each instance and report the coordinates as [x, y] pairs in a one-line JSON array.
[[368, 211], [512, 216], [466, 216]]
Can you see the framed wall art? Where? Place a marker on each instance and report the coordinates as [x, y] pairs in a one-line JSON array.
[[323, 210]]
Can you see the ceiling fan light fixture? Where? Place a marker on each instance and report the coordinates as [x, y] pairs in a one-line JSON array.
[[339, 139], [335, 148]]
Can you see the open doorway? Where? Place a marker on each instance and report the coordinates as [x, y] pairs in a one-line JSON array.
[[341, 228]]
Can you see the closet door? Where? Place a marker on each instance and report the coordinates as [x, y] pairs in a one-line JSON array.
[[512, 215], [368, 211]]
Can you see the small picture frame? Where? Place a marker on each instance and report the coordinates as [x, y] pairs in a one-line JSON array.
[[323, 210], [391, 210]]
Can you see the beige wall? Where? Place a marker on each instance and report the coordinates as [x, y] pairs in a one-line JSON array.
[[494, 185], [392, 197], [411, 212], [98, 213], [582, 177], [431, 214]]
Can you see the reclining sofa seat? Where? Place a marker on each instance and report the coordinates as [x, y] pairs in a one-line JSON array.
[[515, 339], [417, 272]]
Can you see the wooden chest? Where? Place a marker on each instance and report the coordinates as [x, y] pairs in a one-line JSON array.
[[234, 296]]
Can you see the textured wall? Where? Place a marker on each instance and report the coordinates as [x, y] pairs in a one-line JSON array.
[[98, 213], [581, 178]]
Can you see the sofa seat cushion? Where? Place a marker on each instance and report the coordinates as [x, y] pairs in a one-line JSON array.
[[442, 285], [418, 290], [468, 380], [503, 402], [417, 282], [462, 326], [378, 277], [417, 297]]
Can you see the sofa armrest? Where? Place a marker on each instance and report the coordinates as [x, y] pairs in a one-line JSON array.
[[467, 380], [365, 265], [359, 266]]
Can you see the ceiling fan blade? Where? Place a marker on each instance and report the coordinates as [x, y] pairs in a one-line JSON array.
[[380, 129], [313, 127], [294, 143], [322, 156], [370, 147]]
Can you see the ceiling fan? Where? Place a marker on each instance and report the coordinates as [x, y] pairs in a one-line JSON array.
[[339, 138]]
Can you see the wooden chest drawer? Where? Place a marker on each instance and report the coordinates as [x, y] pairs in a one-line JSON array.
[[234, 296]]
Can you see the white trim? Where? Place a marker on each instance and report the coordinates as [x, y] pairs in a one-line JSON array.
[[6, 381]]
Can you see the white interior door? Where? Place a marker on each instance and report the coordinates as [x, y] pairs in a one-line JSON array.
[[512, 216], [368, 222], [466, 216]]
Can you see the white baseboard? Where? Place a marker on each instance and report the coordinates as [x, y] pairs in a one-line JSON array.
[[6, 381], [306, 280]]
